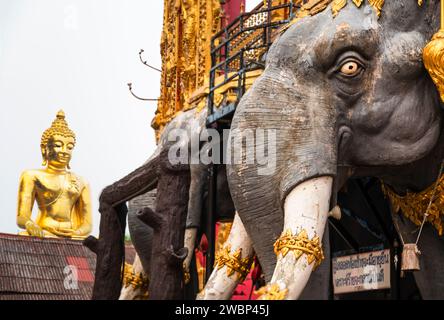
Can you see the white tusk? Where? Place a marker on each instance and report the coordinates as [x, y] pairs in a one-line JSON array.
[[335, 213], [221, 284], [189, 241], [306, 210], [129, 291]]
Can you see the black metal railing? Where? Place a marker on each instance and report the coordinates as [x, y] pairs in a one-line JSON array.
[[240, 47]]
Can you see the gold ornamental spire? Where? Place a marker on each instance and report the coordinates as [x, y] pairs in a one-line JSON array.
[[188, 26]]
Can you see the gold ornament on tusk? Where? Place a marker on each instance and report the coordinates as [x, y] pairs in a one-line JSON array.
[[299, 245], [377, 5], [358, 2], [233, 262], [186, 274], [337, 6], [135, 280], [271, 292]]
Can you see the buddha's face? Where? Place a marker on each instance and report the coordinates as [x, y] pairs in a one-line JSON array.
[[59, 151]]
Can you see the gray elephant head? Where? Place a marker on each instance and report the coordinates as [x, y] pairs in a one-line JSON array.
[[346, 95]]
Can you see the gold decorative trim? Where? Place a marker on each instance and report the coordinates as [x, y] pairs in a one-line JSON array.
[[188, 26], [377, 5], [272, 292], [222, 234], [337, 6], [358, 2], [316, 6], [433, 61], [186, 274], [414, 205], [233, 262], [137, 281], [299, 245]]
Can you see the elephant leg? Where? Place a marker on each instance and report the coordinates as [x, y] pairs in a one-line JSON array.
[[199, 175], [306, 213], [232, 265]]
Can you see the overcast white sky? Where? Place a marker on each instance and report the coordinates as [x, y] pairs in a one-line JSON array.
[[77, 55]]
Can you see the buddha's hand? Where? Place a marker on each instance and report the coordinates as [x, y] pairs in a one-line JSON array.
[[34, 229], [61, 232], [66, 232]]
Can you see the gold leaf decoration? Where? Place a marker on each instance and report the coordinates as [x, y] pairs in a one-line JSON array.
[[413, 205], [233, 262], [357, 2], [272, 292], [300, 245], [377, 5], [337, 6], [433, 56], [135, 280], [188, 26]]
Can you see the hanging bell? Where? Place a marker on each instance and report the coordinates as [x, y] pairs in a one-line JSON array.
[[410, 257]]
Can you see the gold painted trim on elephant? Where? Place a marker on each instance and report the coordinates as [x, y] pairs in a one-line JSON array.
[[137, 281], [233, 262], [186, 274], [433, 61], [299, 245], [413, 205], [314, 7], [272, 292]]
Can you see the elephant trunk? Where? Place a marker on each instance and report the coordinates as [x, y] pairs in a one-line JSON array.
[[284, 211]]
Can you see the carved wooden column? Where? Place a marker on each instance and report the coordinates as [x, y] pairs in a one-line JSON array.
[[168, 222], [110, 248]]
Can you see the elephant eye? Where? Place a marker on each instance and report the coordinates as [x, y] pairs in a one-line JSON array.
[[350, 68]]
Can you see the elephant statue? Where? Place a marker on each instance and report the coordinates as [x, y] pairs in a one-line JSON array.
[[176, 139], [347, 94]]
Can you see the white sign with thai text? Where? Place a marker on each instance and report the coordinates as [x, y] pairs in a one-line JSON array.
[[361, 272]]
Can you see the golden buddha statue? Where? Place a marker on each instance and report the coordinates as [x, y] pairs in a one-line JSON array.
[[63, 197]]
